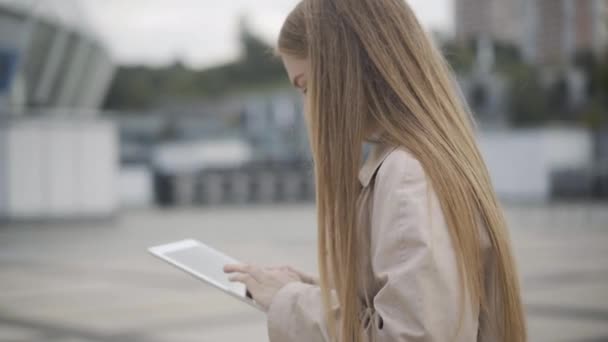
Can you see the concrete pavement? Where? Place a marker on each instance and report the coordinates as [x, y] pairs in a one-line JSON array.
[[95, 281]]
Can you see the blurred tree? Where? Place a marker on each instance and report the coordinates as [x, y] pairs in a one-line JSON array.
[[253, 49], [559, 101], [460, 56], [507, 55], [479, 96], [131, 88], [587, 61], [141, 87], [528, 102], [602, 78], [595, 113]]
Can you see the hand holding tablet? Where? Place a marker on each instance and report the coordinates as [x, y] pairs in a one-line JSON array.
[[204, 263], [262, 283], [253, 285]]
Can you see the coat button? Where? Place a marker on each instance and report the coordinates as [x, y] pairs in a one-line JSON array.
[[379, 322]]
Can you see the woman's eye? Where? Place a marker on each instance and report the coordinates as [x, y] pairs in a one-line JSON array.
[[304, 91]]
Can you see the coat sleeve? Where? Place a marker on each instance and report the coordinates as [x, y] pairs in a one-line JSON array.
[[296, 315], [418, 297]]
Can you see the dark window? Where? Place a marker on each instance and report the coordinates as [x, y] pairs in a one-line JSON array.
[[8, 63]]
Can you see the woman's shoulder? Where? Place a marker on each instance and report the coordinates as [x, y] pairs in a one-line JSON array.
[[400, 164]]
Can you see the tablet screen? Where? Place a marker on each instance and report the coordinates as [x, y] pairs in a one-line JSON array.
[[208, 263]]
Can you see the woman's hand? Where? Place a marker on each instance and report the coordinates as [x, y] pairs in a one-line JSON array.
[[305, 278], [262, 283]]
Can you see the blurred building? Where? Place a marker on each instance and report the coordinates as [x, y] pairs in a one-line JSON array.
[[496, 19], [57, 159], [560, 28], [546, 31]]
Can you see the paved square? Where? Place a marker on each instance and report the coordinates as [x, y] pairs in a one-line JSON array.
[[95, 281]]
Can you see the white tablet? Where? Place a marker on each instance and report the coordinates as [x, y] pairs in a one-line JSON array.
[[204, 263]]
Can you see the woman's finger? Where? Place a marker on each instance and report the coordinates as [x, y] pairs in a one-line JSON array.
[[242, 278], [232, 268], [256, 272]]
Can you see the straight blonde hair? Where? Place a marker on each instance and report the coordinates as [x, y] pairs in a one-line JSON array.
[[372, 64]]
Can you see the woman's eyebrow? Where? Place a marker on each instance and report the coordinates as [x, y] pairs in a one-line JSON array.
[[296, 80]]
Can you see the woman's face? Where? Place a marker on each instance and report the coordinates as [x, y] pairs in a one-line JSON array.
[[297, 70]]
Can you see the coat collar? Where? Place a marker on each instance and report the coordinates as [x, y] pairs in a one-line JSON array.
[[379, 151]]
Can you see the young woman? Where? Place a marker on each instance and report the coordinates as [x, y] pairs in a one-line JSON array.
[[413, 245]]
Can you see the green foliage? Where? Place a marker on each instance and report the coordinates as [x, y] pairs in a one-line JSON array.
[[507, 56], [601, 78], [528, 102], [143, 87], [532, 102], [595, 113], [131, 88], [460, 56]]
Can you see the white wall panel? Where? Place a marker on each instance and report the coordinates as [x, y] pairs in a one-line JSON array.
[[25, 171], [3, 171], [99, 169], [61, 167], [58, 169], [521, 161], [516, 164], [568, 148], [136, 187]]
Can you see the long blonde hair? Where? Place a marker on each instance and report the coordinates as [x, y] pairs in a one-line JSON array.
[[371, 63]]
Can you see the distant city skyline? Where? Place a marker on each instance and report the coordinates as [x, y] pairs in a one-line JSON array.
[[546, 31], [203, 33]]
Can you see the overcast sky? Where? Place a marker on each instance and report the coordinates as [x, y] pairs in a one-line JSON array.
[[203, 32]]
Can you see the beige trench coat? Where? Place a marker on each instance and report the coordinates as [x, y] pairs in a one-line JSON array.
[[410, 281]]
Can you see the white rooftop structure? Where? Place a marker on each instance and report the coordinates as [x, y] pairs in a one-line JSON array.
[[54, 56], [67, 13]]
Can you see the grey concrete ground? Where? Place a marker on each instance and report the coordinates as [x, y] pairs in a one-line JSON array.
[[95, 282]]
